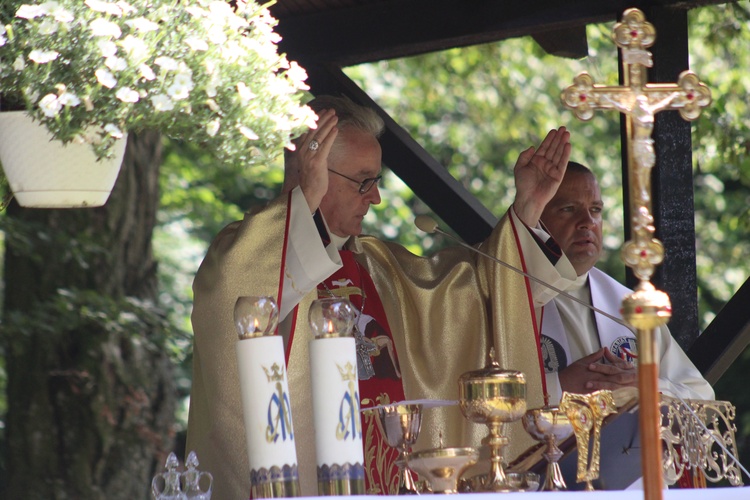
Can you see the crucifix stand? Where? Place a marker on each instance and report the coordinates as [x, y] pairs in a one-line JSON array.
[[646, 308]]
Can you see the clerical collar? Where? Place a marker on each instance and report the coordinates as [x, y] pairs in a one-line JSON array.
[[339, 241], [579, 282], [325, 234]]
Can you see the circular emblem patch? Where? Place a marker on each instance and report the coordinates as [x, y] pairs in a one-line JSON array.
[[625, 348], [553, 355]]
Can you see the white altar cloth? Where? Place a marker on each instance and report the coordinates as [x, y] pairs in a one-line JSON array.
[[729, 493]]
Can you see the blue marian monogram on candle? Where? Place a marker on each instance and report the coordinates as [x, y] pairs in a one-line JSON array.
[[349, 422], [279, 409]]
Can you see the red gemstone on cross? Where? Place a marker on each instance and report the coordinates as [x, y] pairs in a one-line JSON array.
[[634, 34], [644, 254], [638, 309], [582, 97], [690, 96]]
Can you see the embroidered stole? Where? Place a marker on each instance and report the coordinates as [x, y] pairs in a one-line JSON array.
[[606, 294], [378, 369]]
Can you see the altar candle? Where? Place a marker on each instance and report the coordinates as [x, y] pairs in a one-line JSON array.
[[266, 406], [335, 391]]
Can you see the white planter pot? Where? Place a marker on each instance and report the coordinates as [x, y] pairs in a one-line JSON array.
[[43, 173]]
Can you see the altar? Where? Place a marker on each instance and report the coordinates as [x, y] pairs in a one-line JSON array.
[[676, 494]]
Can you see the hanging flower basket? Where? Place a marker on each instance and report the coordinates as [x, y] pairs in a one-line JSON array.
[[202, 71], [44, 173]]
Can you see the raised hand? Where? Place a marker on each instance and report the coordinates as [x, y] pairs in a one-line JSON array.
[[538, 173], [311, 158]]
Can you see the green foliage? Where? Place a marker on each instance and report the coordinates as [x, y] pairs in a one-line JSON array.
[[126, 317]]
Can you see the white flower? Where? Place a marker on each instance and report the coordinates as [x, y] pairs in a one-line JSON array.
[[106, 7], [166, 63], [102, 27], [216, 35], [126, 94], [146, 72], [136, 48], [42, 56], [196, 44], [19, 64], [248, 133], [298, 75], [107, 47], [245, 93], [160, 102], [116, 63], [179, 91], [69, 99], [50, 105], [213, 127], [114, 131], [142, 24], [61, 14], [106, 78], [30, 11], [47, 27]]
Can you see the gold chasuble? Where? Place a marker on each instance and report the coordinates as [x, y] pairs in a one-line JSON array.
[[443, 312]]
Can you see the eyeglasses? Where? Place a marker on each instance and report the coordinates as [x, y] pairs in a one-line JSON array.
[[365, 185]]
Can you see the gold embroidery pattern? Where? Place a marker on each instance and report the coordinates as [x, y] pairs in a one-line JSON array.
[[380, 468]]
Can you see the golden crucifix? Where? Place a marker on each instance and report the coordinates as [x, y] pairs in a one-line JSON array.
[[646, 308]]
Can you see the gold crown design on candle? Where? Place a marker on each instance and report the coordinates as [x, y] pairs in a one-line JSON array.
[[276, 374], [347, 372]]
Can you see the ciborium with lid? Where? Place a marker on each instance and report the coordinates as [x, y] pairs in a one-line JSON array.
[[493, 396]]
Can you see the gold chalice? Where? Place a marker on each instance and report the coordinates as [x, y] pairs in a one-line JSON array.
[[494, 397], [400, 424], [442, 467], [550, 425]]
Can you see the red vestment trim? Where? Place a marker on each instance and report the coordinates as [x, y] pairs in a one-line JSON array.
[[537, 333]]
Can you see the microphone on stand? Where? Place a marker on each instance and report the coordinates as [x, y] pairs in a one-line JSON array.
[[428, 225]]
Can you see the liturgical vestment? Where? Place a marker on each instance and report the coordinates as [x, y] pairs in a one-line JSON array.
[[444, 313], [570, 331]]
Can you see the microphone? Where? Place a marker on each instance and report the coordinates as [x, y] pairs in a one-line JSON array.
[[428, 225]]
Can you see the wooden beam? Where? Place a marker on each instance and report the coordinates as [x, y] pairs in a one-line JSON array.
[[382, 30], [726, 337], [672, 178], [568, 42]]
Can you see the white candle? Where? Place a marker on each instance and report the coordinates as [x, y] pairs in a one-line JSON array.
[[335, 391], [265, 402]]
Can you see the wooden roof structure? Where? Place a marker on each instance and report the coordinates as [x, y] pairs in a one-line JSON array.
[[327, 35]]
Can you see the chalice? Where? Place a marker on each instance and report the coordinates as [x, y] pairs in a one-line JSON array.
[[494, 397], [399, 423], [550, 425]]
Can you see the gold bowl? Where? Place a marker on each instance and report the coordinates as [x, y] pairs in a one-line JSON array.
[[442, 467]]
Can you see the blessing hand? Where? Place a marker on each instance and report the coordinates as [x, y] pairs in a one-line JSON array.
[[538, 173], [311, 158]]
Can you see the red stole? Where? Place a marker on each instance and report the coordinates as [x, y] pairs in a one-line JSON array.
[[377, 359]]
